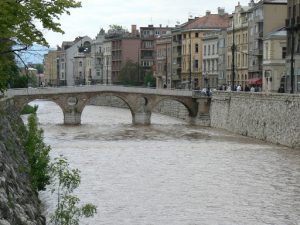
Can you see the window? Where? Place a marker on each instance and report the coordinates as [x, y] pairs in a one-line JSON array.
[[213, 49], [196, 35], [184, 36], [196, 63], [80, 64], [283, 52], [196, 48], [205, 50], [208, 50]]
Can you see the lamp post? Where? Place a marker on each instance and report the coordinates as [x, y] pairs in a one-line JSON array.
[[190, 75], [233, 55], [206, 83], [292, 52]]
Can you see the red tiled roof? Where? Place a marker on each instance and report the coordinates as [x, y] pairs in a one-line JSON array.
[[211, 21]]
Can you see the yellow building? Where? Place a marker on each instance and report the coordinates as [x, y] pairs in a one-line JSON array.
[[239, 26], [192, 46], [51, 67]]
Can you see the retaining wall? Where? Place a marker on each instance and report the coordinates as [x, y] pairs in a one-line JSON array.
[[266, 116]]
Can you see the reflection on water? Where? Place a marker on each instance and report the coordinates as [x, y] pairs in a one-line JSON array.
[[171, 173]]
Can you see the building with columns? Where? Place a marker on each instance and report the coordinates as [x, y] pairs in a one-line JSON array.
[[237, 38]]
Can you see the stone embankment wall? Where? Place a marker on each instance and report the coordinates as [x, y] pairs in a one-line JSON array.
[[19, 205], [167, 107], [271, 117]]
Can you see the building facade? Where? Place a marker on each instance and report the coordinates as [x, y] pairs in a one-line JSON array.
[[293, 47], [210, 59], [163, 61], [274, 57], [237, 39], [147, 49], [192, 34], [265, 16], [51, 67]]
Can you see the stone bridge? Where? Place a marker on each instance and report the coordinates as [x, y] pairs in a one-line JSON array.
[[140, 101]]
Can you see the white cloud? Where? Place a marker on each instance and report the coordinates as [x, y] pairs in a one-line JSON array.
[[95, 14]]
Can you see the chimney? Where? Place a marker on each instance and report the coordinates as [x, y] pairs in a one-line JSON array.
[[207, 13], [133, 29], [221, 11]]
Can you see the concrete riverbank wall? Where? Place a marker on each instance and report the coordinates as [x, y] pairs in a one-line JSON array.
[[266, 116], [19, 204]]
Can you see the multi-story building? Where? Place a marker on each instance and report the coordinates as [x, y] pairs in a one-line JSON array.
[[293, 47], [163, 62], [274, 54], [210, 59], [72, 60], [176, 57], [107, 62], [264, 16], [237, 39], [97, 58], [192, 46], [147, 48], [51, 67], [222, 61], [124, 48]]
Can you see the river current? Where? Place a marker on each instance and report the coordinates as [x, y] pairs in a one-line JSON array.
[[171, 173]]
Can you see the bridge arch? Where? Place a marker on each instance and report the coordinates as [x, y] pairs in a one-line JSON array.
[[189, 105], [98, 99], [21, 102]]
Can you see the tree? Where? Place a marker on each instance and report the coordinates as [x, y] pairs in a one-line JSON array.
[[149, 79], [39, 67], [129, 74], [114, 28], [67, 180], [18, 27], [38, 155]]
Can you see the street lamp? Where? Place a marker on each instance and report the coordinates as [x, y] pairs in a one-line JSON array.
[[206, 83], [233, 54]]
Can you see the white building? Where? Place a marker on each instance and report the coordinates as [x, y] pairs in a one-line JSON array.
[[72, 61], [210, 59], [274, 56]]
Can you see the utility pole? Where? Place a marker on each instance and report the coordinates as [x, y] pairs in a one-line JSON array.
[[292, 24], [167, 65], [190, 75], [233, 54]]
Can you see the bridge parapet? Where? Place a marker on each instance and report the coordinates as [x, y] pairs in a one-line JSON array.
[[140, 101]]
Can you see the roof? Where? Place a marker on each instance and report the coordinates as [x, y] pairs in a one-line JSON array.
[[211, 21], [278, 33]]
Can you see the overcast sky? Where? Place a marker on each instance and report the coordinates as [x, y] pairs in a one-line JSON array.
[[95, 14]]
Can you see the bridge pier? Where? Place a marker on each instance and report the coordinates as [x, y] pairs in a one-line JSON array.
[[203, 115], [72, 118], [141, 118]]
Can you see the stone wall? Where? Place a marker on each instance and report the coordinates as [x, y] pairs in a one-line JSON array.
[[271, 117], [19, 205]]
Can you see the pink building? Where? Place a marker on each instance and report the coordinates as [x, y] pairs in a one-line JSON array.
[[124, 48]]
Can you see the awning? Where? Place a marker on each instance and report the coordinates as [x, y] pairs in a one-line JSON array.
[[257, 81]]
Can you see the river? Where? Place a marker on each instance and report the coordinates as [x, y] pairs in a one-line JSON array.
[[171, 173]]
